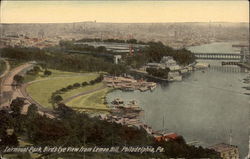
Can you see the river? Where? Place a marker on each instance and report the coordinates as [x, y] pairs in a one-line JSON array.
[[206, 107]]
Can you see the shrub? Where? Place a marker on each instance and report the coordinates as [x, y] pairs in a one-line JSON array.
[[47, 73], [63, 89], [92, 82], [69, 87], [57, 98], [84, 84], [76, 85]]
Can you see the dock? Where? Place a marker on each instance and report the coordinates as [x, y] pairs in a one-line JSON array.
[[128, 84]]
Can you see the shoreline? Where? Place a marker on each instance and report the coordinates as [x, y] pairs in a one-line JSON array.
[[131, 96]]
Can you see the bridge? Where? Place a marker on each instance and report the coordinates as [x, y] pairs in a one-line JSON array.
[[219, 56]]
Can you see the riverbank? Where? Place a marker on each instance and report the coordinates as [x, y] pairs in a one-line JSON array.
[[204, 107]]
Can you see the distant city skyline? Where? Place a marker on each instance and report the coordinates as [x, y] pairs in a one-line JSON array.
[[124, 11]]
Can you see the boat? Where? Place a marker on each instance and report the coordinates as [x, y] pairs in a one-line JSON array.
[[143, 89], [153, 87], [117, 102], [174, 76], [133, 105], [128, 88], [133, 102], [184, 70]]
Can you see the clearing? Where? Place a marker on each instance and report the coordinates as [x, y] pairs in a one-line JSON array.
[[42, 89], [92, 101]]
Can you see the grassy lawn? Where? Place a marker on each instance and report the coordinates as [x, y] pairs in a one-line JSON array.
[[55, 73], [81, 89], [93, 100], [41, 91]]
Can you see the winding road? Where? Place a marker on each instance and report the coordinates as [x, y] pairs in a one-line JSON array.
[[83, 93], [9, 92]]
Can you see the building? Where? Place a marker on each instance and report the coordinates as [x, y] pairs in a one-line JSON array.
[[167, 137], [155, 65], [247, 54], [243, 53], [174, 76], [226, 151], [168, 62], [117, 58]]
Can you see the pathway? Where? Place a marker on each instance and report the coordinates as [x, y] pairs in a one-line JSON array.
[[7, 68], [83, 93]]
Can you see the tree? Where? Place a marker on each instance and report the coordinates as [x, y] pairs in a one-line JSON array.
[[45, 131], [70, 87], [47, 73], [84, 84], [37, 69], [32, 115], [99, 79], [64, 110], [9, 140], [18, 79], [63, 89], [6, 121], [76, 85], [66, 44], [57, 99], [32, 111], [43, 65], [17, 105], [163, 73], [92, 82], [132, 41], [101, 49]]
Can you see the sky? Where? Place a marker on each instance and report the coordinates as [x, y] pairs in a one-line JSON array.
[[124, 11]]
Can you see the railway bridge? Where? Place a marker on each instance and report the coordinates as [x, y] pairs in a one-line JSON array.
[[240, 57]]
